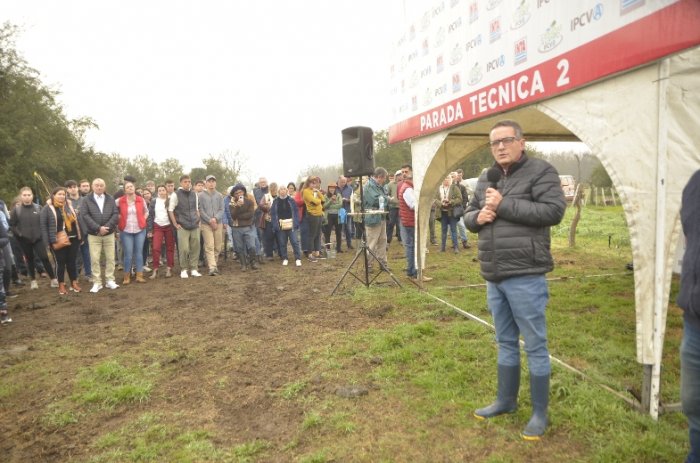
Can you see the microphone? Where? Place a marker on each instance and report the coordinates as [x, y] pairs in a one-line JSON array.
[[493, 175]]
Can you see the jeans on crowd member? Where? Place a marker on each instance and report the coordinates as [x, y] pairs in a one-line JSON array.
[[518, 307], [84, 259], [159, 234], [314, 222], [304, 234], [132, 246], [37, 248], [446, 220], [392, 224], [244, 240], [408, 237], [690, 387], [462, 229], [284, 236], [65, 260]]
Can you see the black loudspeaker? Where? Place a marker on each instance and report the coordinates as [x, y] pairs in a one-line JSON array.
[[358, 151]]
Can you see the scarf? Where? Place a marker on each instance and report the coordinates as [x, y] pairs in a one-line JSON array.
[[68, 217]]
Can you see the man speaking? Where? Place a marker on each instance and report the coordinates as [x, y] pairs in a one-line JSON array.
[[512, 213]]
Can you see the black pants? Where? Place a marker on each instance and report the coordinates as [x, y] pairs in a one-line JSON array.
[[333, 224], [65, 260], [38, 249]]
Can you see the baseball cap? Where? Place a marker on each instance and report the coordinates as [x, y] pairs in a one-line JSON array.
[[210, 177]]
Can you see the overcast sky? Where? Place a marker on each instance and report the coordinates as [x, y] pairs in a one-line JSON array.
[[276, 80]]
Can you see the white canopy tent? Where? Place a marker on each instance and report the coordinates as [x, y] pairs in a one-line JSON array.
[[644, 125]]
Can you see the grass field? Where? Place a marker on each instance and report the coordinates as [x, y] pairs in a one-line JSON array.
[[381, 374]]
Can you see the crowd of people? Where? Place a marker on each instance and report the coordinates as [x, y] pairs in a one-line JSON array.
[[79, 228]]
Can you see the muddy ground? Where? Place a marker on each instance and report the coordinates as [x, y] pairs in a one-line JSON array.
[[219, 350]]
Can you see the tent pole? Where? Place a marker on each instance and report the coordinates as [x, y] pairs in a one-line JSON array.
[[660, 305]]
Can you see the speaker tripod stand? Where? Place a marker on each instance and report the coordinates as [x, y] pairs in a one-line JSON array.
[[362, 251]]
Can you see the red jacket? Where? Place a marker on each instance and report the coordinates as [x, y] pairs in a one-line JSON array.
[[406, 214], [123, 206]]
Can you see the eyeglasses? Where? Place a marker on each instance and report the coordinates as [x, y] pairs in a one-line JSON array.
[[506, 142]]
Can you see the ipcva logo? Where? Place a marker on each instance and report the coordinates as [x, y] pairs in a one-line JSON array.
[[589, 16], [551, 38], [496, 63], [475, 74], [521, 15]]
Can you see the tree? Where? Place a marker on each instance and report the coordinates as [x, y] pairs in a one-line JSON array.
[[393, 156], [225, 166], [35, 134]]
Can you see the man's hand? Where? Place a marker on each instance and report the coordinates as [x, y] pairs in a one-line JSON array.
[[213, 223], [485, 216], [493, 199], [103, 230]]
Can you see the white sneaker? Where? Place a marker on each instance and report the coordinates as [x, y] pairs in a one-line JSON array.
[[285, 262], [184, 274], [34, 285], [54, 283], [195, 273], [298, 262], [146, 268], [95, 287], [111, 284]]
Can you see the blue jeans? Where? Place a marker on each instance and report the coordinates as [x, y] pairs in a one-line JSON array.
[[244, 240], [132, 245], [690, 387], [282, 237], [85, 254], [462, 229], [446, 220], [517, 305], [408, 237]]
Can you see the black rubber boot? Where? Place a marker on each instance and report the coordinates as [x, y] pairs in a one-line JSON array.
[[507, 396], [539, 395], [244, 264]]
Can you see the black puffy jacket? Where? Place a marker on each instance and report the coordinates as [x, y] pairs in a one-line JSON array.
[[518, 242], [689, 294]]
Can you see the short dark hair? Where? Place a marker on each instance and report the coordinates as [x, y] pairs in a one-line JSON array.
[[184, 177], [512, 124], [407, 166], [169, 181], [84, 180], [70, 183]]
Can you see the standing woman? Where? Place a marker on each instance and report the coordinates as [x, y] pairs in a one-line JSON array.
[[132, 231], [57, 216], [448, 196], [26, 228], [160, 228], [313, 200], [334, 201]]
